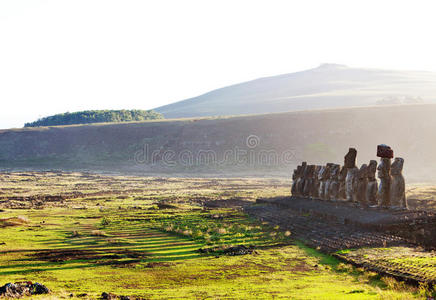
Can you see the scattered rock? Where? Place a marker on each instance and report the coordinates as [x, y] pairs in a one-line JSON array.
[[108, 296], [111, 296], [81, 295], [20, 289], [232, 251], [239, 250]]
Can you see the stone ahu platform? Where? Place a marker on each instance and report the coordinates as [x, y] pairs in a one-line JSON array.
[[417, 227]]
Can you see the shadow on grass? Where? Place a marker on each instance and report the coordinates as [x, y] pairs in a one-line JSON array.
[[335, 265]]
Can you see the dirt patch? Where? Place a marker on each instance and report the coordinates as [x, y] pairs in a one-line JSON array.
[[159, 264], [60, 255], [165, 205], [14, 221]]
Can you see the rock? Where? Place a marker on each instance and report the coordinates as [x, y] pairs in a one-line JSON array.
[[38, 289], [20, 289], [232, 251], [108, 296], [111, 296], [238, 250], [82, 295]]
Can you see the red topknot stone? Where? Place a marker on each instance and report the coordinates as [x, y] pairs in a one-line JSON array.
[[385, 151]]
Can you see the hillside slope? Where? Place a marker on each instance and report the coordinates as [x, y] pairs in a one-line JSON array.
[[328, 86], [269, 144]]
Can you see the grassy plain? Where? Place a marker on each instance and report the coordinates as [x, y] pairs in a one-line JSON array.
[[140, 237]]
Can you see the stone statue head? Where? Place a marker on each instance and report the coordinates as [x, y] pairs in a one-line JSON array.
[[372, 168], [294, 174], [303, 169], [397, 166], [334, 171], [350, 158], [363, 171], [327, 171], [310, 171], [384, 168]]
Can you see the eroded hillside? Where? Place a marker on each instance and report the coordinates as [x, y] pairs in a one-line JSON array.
[[270, 144]]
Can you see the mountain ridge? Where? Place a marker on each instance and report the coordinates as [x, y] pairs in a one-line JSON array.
[[327, 86]]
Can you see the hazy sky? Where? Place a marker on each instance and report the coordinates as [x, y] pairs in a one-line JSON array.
[[58, 56]]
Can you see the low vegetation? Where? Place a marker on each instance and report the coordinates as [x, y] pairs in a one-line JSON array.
[[96, 116]]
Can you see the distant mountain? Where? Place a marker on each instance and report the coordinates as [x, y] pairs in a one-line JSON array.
[[328, 86]]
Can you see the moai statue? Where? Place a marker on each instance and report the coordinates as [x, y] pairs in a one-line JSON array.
[[300, 184], [321, 180], [398, 185], [371, 188], [341, 178], [384, 173], [361, 184], [327, 181], [350, 164], [295, 176], [315, 184], [308, 180], [334, 182]]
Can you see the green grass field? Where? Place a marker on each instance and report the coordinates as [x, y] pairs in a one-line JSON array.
[[130, 245]]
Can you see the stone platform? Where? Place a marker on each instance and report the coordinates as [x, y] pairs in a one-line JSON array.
[[418, 227]]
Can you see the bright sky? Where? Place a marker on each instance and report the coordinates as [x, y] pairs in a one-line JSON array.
[[59, 55]]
